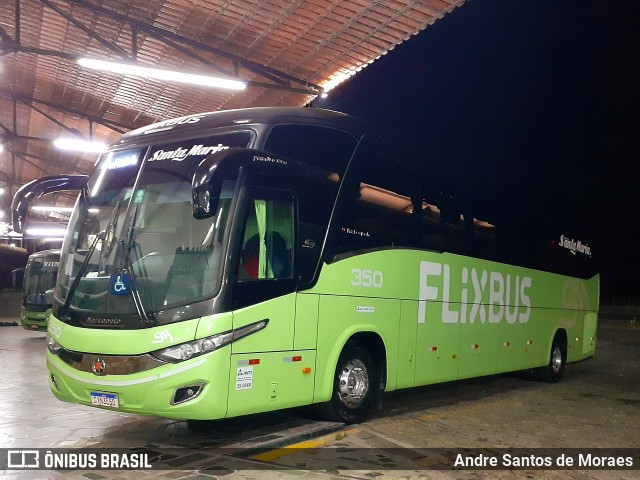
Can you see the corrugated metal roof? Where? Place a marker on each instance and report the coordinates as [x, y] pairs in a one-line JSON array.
[[286, 49]]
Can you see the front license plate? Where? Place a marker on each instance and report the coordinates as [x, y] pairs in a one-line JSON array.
[[101, 399]]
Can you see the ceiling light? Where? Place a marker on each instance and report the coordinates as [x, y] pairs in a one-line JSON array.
[[46, 232], [80, 145], [44, 208], [167, 75]]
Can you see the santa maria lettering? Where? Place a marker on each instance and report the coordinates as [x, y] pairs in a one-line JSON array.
[[469, 295], [575, 246], [179, 154]]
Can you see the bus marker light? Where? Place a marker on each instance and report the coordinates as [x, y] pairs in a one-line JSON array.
[[254, 361], [507, 344], [475, 346], [529, 342], [454, 356], [434, 349], [306, 370], [297, 358]]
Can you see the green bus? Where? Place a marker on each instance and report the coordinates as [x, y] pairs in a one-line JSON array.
[[244, 261], [39, 280]]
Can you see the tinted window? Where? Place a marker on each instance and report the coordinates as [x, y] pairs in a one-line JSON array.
[[323, 147], [378, 209], [266, 266]]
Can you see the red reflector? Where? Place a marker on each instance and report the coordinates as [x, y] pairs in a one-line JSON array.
[[434, 349], [296, 359], [254, 361]]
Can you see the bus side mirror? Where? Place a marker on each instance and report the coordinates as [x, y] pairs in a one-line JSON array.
[[35, 189], [203, 203]]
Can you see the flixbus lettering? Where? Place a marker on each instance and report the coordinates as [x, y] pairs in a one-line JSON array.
[[496, 297]]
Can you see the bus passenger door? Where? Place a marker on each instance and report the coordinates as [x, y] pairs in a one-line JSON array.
[[265, 370]]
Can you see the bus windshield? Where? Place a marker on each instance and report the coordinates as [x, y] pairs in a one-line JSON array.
[[39, 279], [134, 244]]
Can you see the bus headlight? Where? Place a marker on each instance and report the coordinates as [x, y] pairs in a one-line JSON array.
[[53, 346], [185, 351], [195, 348]]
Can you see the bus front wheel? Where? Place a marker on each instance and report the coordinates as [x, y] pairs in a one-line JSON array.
[[354, 388], [552, 372]]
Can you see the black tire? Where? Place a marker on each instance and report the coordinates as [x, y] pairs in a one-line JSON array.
[[552, 372], [355, 387]]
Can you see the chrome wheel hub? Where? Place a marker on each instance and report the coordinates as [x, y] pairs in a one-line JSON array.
[[556, 360], [353, 383]]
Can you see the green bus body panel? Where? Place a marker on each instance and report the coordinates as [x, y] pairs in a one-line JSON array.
[[306, 324], [260, 382], [439, 317], [443, 316], [277, 336], [34, 321]]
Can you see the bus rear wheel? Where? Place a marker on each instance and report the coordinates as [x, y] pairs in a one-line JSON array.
[[354, 388], [552, 372]]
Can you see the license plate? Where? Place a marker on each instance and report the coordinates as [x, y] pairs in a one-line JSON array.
[[101, 399]]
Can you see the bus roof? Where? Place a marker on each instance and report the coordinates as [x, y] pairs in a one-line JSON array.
[[386, 143], [257, 115], [45, 253]]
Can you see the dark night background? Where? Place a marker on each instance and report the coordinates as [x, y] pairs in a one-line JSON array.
[[534, 104]]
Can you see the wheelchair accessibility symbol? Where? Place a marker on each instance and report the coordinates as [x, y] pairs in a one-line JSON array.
[[120, 284]]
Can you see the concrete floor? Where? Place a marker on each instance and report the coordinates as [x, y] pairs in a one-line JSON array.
[[597, 405]]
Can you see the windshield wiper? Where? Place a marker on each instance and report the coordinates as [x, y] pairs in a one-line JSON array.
[[76, 281], [109, 234], [127, 244], [102, 236]]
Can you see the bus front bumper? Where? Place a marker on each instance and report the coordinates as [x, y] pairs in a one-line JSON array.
[[183, 391], [34, 321]]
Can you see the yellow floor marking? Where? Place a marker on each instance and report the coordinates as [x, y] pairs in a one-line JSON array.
[[428, 417], [297, 447]]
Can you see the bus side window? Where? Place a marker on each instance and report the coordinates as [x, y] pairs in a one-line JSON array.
[[380, 215], [267, 247], [442, 225], [266, 265], [327, 148], [278, 258]]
